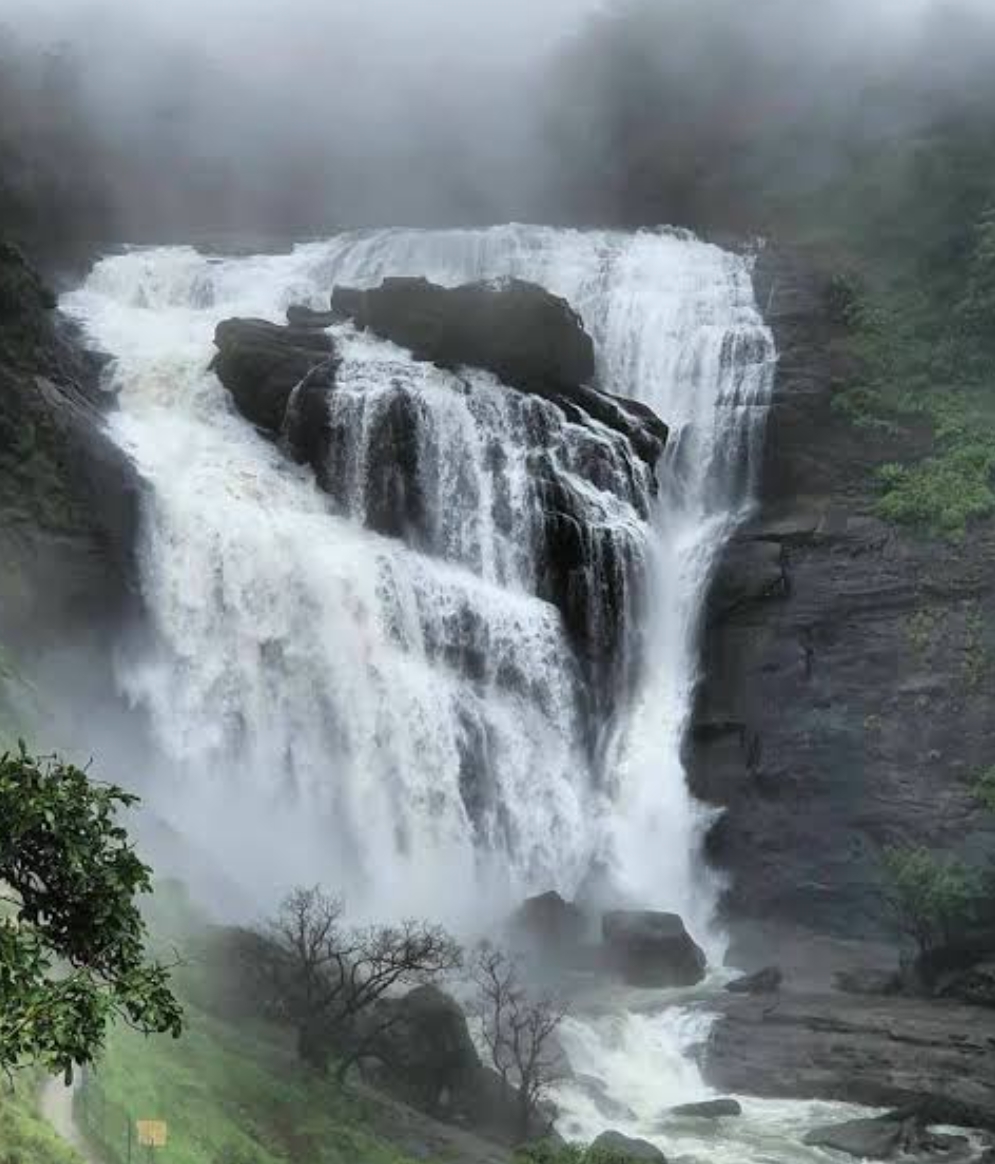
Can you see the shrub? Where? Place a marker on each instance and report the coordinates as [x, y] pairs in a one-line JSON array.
[[932, 899]]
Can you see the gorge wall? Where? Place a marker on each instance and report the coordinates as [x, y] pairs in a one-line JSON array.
[[848, 665], [68, 496]]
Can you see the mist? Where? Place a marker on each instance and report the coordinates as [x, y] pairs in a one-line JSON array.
[[248, 121]]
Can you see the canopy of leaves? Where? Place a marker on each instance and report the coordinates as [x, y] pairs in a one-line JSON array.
[[72, 940], [932, 899]]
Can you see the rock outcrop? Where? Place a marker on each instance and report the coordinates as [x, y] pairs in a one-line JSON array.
[[377, 444], [766, 981], [426, 1057], [549, 927], [621, 1149], [529, 338], [526, 336], [887, 1137], [261, 364], [69, 498], [709, 1109], [652, 949], [849, 665], [934, 1057]]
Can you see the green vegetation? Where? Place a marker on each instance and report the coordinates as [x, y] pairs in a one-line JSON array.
[[25, 1138], [230, 1094], [923, 366], [233, 1090], [932, 899], [72, 940], [921, 630], [984, 788]]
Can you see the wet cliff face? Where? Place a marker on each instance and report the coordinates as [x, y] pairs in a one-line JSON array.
[[850, 666], [68, 497]]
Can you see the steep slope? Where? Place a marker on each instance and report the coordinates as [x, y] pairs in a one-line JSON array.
[[849, 663]]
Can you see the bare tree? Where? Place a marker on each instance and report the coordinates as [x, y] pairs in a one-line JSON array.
[[519, 1032], [327, 979]]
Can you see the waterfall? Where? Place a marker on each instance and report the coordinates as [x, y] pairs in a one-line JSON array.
[[403, 720]]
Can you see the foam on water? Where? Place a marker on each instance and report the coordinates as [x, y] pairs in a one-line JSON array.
[[316, 689]]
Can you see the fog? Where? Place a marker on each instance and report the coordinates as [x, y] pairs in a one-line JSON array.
[[194, 120]]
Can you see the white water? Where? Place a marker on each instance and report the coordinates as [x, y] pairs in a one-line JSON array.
[[298, 674]]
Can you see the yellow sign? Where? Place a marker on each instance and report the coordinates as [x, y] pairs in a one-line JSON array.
[[152, 1133]]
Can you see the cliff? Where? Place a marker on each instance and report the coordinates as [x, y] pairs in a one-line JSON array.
[[849, 665], [68, 497]]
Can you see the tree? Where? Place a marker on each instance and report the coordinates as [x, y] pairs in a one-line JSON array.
[[327, 979], [518, 1031], [932, 900], [72, 940]]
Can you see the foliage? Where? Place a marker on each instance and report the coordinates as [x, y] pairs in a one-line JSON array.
[[25, 1137], [548, 1152], [932, 899], [230, 1093], [72, 941], [984, 788], [518, 1030], [326, 979]]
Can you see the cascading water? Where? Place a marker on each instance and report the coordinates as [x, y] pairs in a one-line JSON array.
[[332, 696], [297, 673]]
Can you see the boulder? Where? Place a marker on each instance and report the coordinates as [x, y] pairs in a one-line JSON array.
[[261, 364], [887, 1137], [766, 981], [427, 1058], [868, 981], [522, 333], [549, 926], [884, 1052], [619, 1149], [529, 338], [427, 1055], [652, 949], [299, 315], [709, 1109]]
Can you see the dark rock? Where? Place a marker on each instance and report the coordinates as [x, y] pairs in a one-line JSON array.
[[427, 1058], [69, 497], [936, 968], [868, 981], [766, 981], [975, 985], [652, 949], [261, 364], [529, 338], [851, 706], [935, 1057], [711, 1109], [751, 570], [621, 1149], [884, 1138], [299, 315], [427, 1054], [526, 336], [550, 926]]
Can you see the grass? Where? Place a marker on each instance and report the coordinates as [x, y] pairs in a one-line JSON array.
[[229, 1096], [25, 1138], [231, 1090]]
